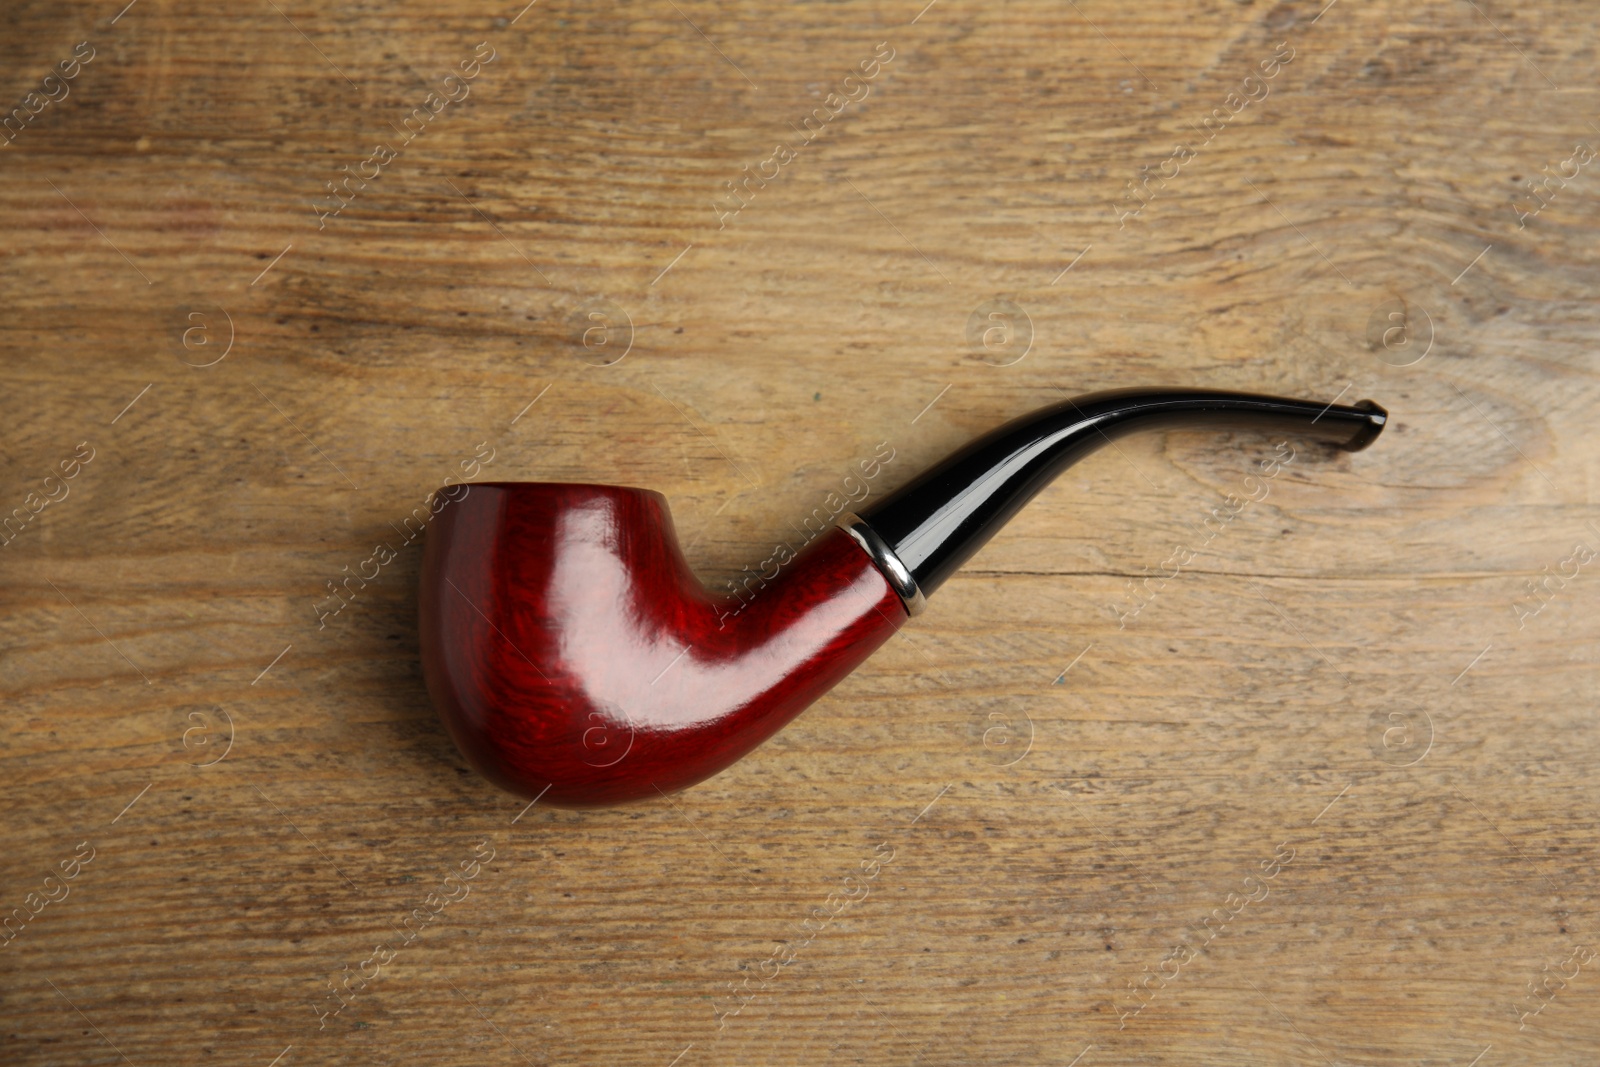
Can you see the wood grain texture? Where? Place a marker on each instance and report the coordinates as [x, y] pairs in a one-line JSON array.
[[1057, 835]]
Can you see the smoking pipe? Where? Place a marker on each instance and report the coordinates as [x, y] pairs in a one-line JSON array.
[[574, 656]]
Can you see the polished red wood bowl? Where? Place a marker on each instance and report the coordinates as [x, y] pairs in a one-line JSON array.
[[574, 657]]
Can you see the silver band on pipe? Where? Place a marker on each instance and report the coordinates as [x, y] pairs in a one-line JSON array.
[[896, 573]]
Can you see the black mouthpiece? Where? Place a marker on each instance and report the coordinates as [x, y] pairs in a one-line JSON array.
[[938, 521]]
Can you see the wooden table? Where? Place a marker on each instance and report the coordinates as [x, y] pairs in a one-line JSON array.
[[1328, 796]]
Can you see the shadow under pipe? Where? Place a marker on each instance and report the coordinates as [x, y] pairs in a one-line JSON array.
[[575, 657]]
